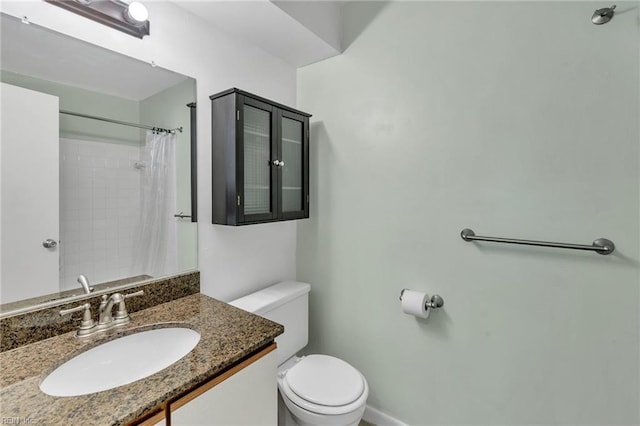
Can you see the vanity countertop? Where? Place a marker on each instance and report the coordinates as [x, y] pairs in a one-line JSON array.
[[228, 334]]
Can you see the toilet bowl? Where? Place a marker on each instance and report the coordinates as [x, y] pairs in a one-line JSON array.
[[317, 390], [323, 390]]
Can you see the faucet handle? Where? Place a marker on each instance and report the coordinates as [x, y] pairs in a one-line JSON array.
[[87, 322], [137, 293], [122, 313]]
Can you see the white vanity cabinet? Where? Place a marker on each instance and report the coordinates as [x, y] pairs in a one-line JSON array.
[[246, 394]]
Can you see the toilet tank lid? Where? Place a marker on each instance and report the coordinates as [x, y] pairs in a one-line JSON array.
[[263, 301]]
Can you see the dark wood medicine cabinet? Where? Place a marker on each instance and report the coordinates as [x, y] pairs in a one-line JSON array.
[[260, 162], [194, 160]]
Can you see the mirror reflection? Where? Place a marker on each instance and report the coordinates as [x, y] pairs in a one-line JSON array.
[[91, 198]]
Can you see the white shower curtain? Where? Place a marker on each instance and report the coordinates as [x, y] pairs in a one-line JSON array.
[[155, 250]]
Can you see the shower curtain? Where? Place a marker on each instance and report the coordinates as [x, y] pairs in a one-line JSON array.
[[155, 249]]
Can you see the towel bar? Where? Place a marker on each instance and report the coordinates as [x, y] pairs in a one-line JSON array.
[[600, 246]]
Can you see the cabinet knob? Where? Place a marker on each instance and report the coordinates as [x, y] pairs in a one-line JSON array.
[[275, 162], [49, 243], [281, 163]]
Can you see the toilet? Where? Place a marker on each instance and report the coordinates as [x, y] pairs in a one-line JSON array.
[[314, 389]]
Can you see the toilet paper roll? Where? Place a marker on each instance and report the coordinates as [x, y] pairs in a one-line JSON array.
[[414, 303]]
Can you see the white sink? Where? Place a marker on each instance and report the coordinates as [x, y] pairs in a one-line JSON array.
[[120, 361]]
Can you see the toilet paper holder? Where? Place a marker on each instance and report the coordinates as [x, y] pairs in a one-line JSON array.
[[436, 300]]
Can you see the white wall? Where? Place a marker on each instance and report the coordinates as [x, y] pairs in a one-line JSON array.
[[514, 119], [232, 261]]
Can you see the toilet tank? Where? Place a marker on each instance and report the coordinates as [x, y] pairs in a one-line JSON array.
[[286, 303]]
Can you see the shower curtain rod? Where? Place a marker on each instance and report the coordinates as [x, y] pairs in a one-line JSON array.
[[123, 123]]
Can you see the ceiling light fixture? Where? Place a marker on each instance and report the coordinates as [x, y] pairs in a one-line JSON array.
[[136, 13], [132, 19]]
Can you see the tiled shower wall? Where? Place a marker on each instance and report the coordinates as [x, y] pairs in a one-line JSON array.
[[100, 204]]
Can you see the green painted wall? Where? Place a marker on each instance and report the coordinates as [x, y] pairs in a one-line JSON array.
[[515, 119], [86, 102], [168, 109]]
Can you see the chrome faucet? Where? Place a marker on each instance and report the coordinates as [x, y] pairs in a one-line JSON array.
[[105, 310], [106, 307], [84, 283], [106, 319]]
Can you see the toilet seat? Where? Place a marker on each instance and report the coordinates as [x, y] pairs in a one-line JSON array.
[[324, 384]]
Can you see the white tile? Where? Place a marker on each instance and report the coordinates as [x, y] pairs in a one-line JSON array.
[[100, 195]]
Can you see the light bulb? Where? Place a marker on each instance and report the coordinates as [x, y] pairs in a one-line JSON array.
[[137, 12]]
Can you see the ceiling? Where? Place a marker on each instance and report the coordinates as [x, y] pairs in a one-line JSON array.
[[38, 52], [299, 32]]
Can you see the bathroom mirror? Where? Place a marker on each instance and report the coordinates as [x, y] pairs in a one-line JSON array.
[[95, 196]]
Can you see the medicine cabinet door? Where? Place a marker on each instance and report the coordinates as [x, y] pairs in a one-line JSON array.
[[257, 177], [293, 179]]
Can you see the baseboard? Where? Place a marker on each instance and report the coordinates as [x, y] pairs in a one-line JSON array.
[[378, 418]]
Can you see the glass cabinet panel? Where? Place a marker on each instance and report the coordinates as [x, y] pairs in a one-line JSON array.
[[292, 155], [257, 157]]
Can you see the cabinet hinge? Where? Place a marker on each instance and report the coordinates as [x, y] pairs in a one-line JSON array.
[[237, 115], [238, 200], [307, 198]]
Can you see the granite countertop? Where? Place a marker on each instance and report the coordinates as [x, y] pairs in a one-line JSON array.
[[228, 334]]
